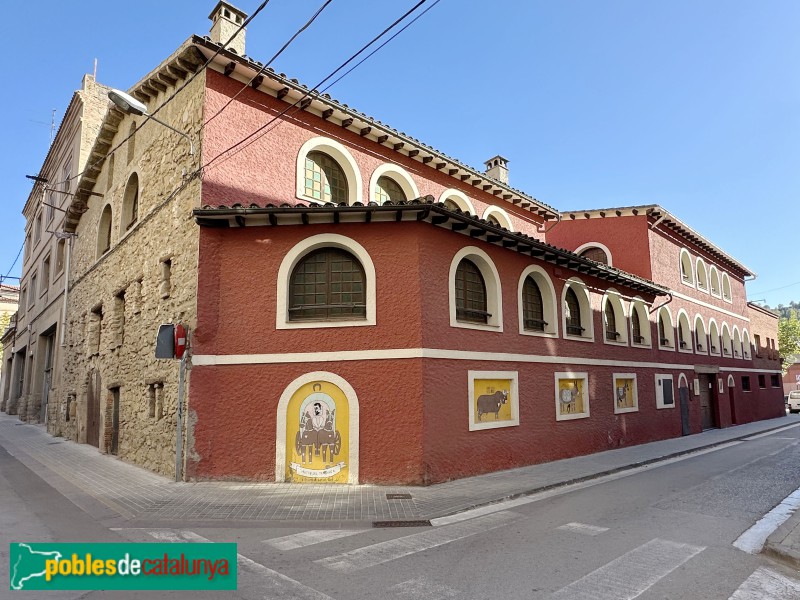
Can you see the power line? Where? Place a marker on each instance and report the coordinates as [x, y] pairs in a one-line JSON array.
[[271, 60], [250, 138], [776, 289], [6, 276]]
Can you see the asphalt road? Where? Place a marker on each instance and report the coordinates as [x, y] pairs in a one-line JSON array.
[[662, 532]]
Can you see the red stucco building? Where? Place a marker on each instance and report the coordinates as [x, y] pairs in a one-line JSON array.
[[454, 316]]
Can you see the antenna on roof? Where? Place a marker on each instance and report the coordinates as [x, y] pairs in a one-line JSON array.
[[94, 73]]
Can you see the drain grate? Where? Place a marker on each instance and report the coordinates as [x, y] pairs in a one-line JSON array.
[[398, 496], [420, 523], [52, 443]]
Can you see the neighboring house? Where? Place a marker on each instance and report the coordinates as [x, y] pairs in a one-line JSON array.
[[791, 380], [34, 353], [9, 302], [362, 307]]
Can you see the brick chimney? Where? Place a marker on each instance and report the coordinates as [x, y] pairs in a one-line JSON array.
[[497, 168], [226, 19]]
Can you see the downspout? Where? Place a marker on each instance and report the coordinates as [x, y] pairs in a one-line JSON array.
[[544, 231]]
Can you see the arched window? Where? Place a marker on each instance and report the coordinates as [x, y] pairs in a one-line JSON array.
[[130, 202], [666, 332], [726, 287], [726, 341], [497, 216], [640, 323], [470, 293], [746, 344], [493, 220], [324, 179], [131, 142], [454, 199], [737, 343], [702, 275], [327, 284], [713, 338], [714, 281], [700, 335], [533, 306], [388, 190], [614, 324], [538, 314], [684, 333], [686, 268], [104, 232], [595, 254], [573, 312]]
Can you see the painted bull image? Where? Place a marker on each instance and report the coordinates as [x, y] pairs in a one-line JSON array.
[[491, 403]]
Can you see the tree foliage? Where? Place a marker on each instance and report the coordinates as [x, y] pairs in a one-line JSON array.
[[789, 339]]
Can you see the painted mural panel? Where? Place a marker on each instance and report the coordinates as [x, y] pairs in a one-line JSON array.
[[493, 399], [317, 427], [572, 396], [626, 394]]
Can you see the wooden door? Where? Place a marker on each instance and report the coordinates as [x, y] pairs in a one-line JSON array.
[[93, 409], [706, 402], [48, 375]]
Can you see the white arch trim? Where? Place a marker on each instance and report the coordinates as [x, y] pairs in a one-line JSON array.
[[602, 247], [669, 329], [494, 294], [713, 276], [460, 198], [684, 379], [715, 338], [727, 292], [725, 336], [499, 214], [291, 259], [585, 302], [689, 278], [638, 304], [540, 276], [342, 156], [683, 316], [399, 175], [747, 348], [704, 335], [283, 405], [737, 342], [620, 316], [702, 283]]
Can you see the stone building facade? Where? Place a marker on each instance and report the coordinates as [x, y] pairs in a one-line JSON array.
[[33, 356]]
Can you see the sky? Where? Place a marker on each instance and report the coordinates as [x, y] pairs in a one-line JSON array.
[[693, 105]]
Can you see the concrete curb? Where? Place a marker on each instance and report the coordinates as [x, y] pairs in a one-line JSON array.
[[776, 547], [620, 469]]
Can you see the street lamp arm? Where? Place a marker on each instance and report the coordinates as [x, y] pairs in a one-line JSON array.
[[178, 131]]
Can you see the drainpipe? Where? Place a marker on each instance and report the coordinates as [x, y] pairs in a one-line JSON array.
[[558, 220]]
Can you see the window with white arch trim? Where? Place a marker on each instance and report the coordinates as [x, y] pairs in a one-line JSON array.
[[454, 199], [615, 326], [746, 347], [737, 343], [666, 331], [726, 288], [713, 276], [326, 280], [577, 311], [727, 346], [392, 183], [475, 291], [702, 275], [595, 251], [714, 343], [497, 216], [687, 273], [327, 172], [684, 332], [640, 323], [700, 341], [537, 303]]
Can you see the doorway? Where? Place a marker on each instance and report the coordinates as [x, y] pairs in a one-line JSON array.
[[49, 347], [707, 401], [93, 409]]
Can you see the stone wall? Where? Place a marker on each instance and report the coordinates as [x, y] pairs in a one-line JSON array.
[[147, 277]]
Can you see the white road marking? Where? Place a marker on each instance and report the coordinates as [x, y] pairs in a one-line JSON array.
[[583, 528], [505, 505], [308, 538], [752, 540], [424, 589], [631, 574], [376, 554], [766, 583], [773, 432], [277, 584]]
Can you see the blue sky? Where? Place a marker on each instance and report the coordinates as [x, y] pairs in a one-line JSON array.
[[691, 105]]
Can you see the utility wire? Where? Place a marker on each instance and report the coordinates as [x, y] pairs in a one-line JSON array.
[[6, 276], [776, 289], [250, 138], [271, 60]]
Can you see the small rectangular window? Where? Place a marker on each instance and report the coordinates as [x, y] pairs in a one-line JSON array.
[[745, 383], [665, 393], [775, 380], [60, 247], [45, 275], [757, 343], [32, 295], [762, 381]]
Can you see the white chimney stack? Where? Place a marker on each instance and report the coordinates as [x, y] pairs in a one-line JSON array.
[[497, 168]]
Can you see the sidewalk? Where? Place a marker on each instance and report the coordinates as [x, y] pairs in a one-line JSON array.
[[114, 491], [784, 543]]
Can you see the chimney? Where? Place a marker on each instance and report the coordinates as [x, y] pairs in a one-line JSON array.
[[497, 168], [226, 19]]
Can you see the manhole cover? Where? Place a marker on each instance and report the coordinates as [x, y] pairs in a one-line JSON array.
[[398, 496], [424, 523]]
